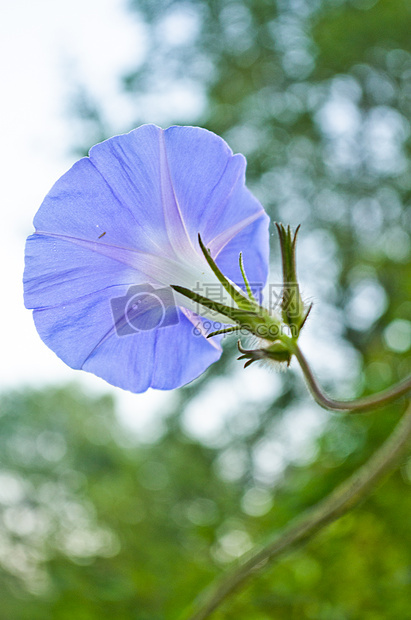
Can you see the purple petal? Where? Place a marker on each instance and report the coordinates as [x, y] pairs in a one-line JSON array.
[[129, 215], [208, 182], [58, 271], [85, 338], [83, 205], [253, 242]]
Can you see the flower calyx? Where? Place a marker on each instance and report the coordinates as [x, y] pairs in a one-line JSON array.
[[278, 351], [247, 316], [246, 313]]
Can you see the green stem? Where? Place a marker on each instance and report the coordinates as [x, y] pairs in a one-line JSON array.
[[353, 406], [344, 498]]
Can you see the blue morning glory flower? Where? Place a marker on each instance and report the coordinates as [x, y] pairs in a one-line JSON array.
[[117, 230]]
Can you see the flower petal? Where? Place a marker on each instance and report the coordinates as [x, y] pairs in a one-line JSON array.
[[85, 337], [81, 204], [58, 271], [135, 166], [253, 242], [208, 182], [128, 216]]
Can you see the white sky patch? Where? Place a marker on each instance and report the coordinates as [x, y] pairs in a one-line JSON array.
[[142, 414], [368, 302], [181, 101], [339, 117], [291, 440], [207, 415], [385, 131], [269, 460], [180, 26], [333, 361], [301, 426], [397, 335]]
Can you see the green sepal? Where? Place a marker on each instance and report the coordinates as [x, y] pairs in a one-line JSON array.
[[225, 330], [238, 297], [310, 307], [260, 324], [246, 282], [237, 315]]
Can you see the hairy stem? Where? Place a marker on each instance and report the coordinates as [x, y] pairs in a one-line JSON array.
[[344, 498], [351, 406]]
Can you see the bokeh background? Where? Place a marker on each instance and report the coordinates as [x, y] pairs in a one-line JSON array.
[[127, 506]]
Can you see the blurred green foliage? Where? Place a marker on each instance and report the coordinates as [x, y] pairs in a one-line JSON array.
[[317, 95], [96, 525]]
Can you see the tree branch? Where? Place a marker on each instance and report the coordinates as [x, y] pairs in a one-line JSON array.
[[344, 498]]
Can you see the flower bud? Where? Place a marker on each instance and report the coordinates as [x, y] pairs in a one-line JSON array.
[[293, 310]]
